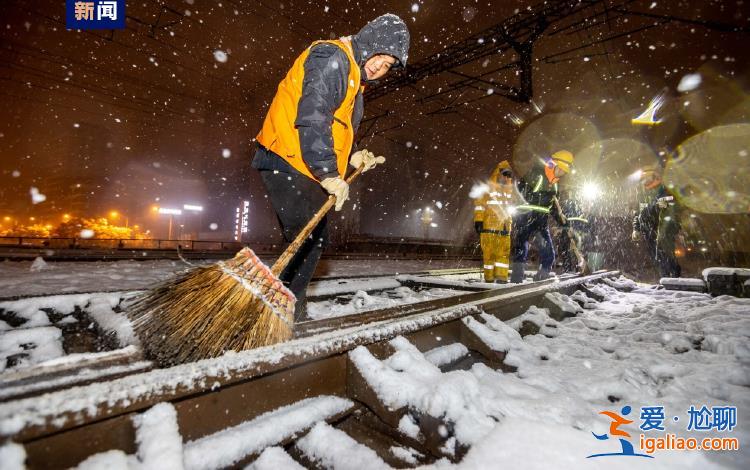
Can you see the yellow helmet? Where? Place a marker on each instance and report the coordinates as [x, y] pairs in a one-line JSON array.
[[563, 159]]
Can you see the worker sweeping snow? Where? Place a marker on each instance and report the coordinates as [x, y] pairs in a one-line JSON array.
[[307, 136], [304, 150]]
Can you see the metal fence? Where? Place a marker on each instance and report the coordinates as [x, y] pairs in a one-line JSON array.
[[123, 244]]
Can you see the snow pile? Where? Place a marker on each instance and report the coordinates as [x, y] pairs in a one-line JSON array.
[[275, 458], [583, 300], [158, 438], [341, 286], [538, 317], [682, 281], [563, 303], [409, 427], [621, 283], [111, 460], [229, 446], [101, 308], [38, 265], [445, 355], [499, 336], [25, 347], [406, 454], [12, 456], [722, 271], [330, 448], [543, 446], [33, 332], [408, 380], [362, 301]]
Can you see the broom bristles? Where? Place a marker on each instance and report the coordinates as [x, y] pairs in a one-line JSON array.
[[233, 305]]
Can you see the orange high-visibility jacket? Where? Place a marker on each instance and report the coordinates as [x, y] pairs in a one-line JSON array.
[[279, 133]]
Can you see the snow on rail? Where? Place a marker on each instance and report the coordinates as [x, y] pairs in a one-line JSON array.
[[333, 449], [76, 405], [231, 445]]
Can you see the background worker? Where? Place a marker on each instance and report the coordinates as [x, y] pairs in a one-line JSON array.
[[539, 190], [657, 221], [492, 221], [579, 231], [307, 136]]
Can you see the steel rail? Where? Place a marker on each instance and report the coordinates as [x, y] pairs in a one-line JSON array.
[[67, 426]]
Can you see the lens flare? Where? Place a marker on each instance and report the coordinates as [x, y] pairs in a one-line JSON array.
[[590, 191], [552, 132], [711, 172], [648, 117]]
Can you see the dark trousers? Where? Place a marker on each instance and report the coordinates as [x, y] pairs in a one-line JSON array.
[[664, 256], [296, 198], [525, 226]]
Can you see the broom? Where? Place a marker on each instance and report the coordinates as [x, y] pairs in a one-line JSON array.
[[235, 305]]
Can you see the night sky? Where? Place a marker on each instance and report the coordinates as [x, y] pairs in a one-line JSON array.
[[165, 111]]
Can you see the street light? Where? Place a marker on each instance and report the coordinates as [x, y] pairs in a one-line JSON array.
[[171, 213], [195, 209], [116, 215], [426, 220]]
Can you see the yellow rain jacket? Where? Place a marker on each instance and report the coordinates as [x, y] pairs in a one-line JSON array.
[[493, 209]]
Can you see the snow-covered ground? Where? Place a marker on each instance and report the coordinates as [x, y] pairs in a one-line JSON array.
[[17, 278], [362, 301], [643, 348], [34, 330]]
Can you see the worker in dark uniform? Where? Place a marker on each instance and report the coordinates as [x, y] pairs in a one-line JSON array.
[[539, 190], [657, 221], [579, 226]]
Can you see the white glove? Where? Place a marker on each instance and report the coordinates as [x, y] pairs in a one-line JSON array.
[[636, 236], [368, 158], [337, 187]]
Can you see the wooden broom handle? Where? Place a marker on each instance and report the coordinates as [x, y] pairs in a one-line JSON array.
[[291, 250]]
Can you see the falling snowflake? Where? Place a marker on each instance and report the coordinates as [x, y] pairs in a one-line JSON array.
[[213, 226], [689, 82], [36, 196], [86, 233], [220, 56], [226, 153], [414, 7]]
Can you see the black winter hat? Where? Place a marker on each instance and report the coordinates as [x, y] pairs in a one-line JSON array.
[[386, 34]]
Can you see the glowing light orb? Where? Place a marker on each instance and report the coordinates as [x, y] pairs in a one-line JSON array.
[[710, 173]]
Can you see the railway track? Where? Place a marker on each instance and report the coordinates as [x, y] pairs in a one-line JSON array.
[[72, 412]]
